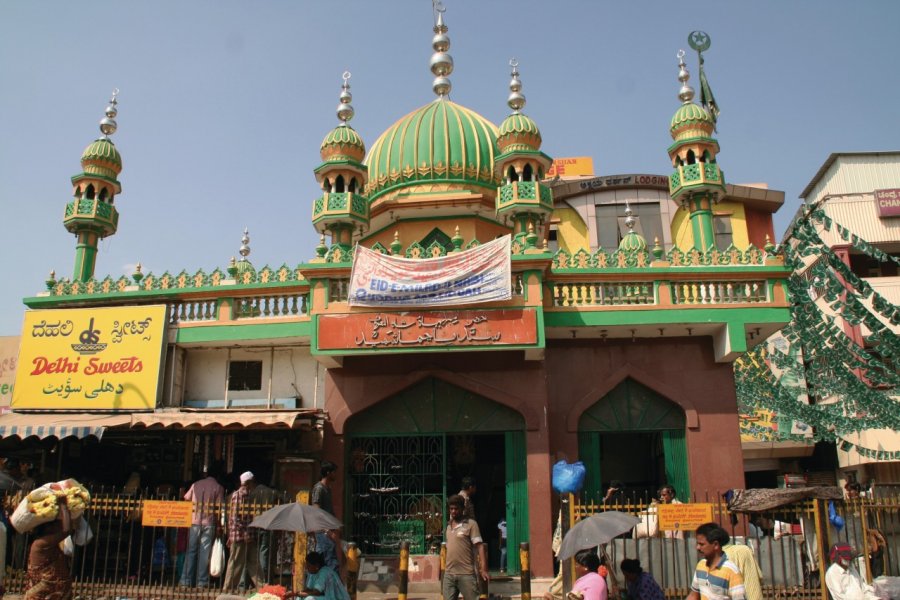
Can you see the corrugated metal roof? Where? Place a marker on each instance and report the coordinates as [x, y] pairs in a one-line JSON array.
[[854, 173], [856, 163], [859, 214]]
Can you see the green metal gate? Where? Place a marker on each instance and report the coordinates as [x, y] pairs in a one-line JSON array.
[[633, 407], [397, 466]]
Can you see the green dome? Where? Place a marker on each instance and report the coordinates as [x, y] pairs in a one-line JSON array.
[[632, 242], [439, 142], [103, 151], [518, 132], [342, 142], [691, 116]]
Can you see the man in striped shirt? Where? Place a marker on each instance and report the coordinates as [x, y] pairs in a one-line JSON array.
[[716, 577]]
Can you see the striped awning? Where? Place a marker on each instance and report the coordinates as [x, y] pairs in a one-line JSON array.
[[58, 425], [226, 419]]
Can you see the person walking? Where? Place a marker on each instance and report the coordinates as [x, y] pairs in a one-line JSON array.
[[263, 497], [328, 543], [468, 490], [207, 495], [743, 557], [243, 551], [502, 527], [465, 548], [715, 577], [48, 576]]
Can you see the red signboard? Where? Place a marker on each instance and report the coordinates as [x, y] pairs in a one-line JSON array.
[[413, 330], [887, 202]]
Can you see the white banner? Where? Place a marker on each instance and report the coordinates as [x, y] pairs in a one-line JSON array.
[[482, 274]]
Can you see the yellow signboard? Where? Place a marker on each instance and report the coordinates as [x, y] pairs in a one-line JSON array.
[[167, 513], [684, 517], [90, 358], [9, 350], [576, 166]]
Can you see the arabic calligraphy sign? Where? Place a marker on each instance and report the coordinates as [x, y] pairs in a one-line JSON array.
[[90, 358], [432, 329], [481, 274]]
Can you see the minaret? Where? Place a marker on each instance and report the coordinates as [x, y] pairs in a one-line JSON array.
[[92, 216], [522, 200], [342, 176], [697, 183], [441, 61]]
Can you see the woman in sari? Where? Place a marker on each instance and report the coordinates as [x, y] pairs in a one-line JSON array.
[[48, 570]]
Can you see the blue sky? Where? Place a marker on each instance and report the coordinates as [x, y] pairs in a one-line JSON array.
[[223, 104]]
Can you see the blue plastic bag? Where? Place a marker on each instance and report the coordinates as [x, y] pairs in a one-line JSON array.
[[836, 519], [568, 478]]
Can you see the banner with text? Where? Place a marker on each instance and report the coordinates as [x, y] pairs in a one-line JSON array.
[[482, 274], [90, 358], [9, 351]]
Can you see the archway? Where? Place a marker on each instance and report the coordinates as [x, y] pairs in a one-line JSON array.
[[637, 436], [408, 453]]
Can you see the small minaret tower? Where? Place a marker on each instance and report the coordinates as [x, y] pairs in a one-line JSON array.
[[92, 216], [696, 183], [342, 176], [522, 200]]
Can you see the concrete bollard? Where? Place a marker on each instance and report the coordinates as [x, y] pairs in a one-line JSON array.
[[353, 554], [443, 567], [403, 586], [525, 562]]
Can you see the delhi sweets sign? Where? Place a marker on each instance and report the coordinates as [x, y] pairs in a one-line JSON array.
[[91, 358], [481, 274]]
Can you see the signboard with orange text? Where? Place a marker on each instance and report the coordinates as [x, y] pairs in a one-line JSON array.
[[166, 513], [575, 166], [684, 517], [90, 358]]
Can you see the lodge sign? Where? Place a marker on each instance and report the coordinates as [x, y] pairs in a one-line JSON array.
[[887, 202], [420, 330]]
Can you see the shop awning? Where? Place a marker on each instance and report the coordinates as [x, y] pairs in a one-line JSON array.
[[230, 419], [44, 425]]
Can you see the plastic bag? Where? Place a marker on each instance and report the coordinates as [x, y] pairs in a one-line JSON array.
[[42, 505], [217, 560], [83, 533], [568, 478], [67, 546]]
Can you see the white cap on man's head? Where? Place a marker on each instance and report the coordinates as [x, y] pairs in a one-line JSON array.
[[246, 476]]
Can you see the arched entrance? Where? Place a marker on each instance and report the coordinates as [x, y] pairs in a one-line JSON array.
[[636, 436], [408, 453]]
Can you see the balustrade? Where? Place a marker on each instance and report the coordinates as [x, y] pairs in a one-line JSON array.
[[597, 293], [190, 311], [282, 305], [719, 292]]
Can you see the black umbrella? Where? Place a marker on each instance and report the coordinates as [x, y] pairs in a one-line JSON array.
[[594, 531], [296, 517]]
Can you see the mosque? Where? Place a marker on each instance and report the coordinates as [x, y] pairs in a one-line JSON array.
[[624, 299]]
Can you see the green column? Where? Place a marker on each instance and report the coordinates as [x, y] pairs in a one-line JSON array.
[[85, 255], [702, 223]]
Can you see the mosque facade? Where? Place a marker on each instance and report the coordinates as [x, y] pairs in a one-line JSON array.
[[627, 297]]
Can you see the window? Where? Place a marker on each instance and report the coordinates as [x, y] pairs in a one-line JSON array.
[[436, 235], [553, 239], [244, 375], [611, 224], [722, 229]]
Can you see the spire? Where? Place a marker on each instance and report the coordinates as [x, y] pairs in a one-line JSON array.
[[516, 100], [686, 93], [108, 124], [92, 215], [244, 250], [700, 42], [441, 62], [345, 109]]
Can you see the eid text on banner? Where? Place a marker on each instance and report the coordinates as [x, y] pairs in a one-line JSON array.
[[481, 274]]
